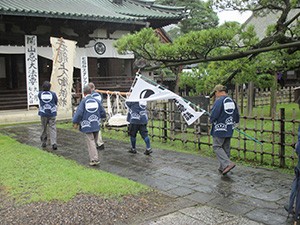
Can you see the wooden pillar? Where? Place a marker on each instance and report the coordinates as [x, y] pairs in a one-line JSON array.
[[273, 101], [250, 98]]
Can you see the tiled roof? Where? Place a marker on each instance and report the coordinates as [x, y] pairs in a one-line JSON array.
[[261, 23], [128, 11]]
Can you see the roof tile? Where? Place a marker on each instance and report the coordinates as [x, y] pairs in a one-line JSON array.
[[96, 10]]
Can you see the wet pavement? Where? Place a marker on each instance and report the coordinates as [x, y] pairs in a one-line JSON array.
[[202, 196]]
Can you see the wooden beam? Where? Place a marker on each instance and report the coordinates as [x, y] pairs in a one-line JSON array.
[[113, 92]]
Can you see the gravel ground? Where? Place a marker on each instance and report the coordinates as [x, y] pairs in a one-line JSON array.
[[83, 209]]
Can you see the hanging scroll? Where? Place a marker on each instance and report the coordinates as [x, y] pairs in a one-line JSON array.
[[62, 71], [84, 72], [32, 74]]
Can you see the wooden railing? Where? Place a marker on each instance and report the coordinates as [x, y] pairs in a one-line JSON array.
[[116, 83], [273, 140]]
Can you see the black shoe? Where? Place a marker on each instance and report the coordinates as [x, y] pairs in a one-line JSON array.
[[148, 151], [54, 147], [94, 163], [132, 150], [44, 145], [101, 147]]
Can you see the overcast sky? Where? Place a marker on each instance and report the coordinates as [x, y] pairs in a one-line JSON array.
[[226, 16]]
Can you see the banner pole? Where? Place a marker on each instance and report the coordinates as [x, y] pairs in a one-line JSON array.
[[248, 136], [135, 79]]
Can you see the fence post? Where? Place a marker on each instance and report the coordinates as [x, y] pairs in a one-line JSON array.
[[290, 94], [165, 122], [282, 138], [242, 100]]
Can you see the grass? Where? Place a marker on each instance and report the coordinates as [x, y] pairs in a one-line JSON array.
[[31, 175]]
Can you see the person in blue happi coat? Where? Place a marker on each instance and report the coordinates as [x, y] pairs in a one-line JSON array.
[[88, 116], [99, 96], [138, 119], [224, 117], [48, 112]]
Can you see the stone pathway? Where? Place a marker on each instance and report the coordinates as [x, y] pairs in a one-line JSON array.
[[246, 195]]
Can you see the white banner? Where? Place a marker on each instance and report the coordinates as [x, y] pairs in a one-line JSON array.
[[62, 71], [143, 90], [32, 73], [187, 112], [84, 72]]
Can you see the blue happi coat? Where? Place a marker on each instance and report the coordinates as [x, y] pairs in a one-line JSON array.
[[97, 95], [224, 115], [137, 113], [48, 104], [89, 114]]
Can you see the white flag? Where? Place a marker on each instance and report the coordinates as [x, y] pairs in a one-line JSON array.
[[187, 112], [143, 90], [146, 91]]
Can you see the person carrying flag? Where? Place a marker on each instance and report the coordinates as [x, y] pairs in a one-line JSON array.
[[138, 119]]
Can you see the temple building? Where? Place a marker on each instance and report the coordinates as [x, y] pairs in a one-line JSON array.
[[26, 27]]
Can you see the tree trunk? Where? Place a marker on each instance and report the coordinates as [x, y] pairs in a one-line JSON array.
[[176, 71], [250, 98], [273, 100]]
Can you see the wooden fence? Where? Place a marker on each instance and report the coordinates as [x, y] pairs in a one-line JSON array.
[[277, 135], [261, 97]]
